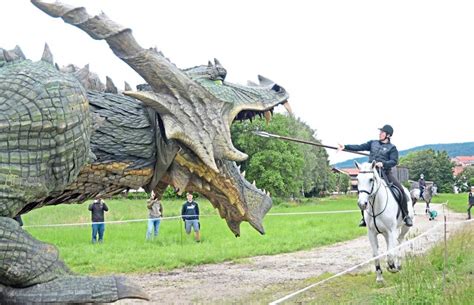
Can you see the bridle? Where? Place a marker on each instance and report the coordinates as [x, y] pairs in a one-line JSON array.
[[372, 194]]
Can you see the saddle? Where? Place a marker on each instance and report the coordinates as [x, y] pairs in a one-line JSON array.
[[396, 192]]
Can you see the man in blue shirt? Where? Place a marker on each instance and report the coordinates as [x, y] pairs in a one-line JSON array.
[[190, 215]]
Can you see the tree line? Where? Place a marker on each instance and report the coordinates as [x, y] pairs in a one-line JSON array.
[[437, 166], [284, 168], [290, 169]]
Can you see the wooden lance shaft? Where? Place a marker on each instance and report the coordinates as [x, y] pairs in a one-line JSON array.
[[269, 135]]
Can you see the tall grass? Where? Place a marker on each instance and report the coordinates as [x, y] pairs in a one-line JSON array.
[[421, 280], [125, 249]]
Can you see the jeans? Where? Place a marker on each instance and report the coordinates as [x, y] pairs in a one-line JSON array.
[[98, 228], [153, 225]]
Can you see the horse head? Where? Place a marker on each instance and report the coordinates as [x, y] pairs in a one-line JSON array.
[[367, 181], [432, 189]]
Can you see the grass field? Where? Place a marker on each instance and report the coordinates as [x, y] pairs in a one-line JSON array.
[[125, 249], [456, 202]]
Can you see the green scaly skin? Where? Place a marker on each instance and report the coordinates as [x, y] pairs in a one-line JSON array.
[[62, 144]]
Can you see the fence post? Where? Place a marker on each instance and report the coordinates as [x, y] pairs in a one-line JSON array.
[[180, 230], [445, 249]]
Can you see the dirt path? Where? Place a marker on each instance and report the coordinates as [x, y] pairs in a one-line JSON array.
[[230, 282]]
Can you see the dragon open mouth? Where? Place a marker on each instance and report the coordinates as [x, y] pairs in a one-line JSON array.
[[267, 113], [227, 189]]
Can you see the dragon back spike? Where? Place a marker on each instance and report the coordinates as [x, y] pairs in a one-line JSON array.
[[47, 55]]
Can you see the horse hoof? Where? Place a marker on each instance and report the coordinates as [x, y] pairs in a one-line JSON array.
[[379, 281], [393, 268]]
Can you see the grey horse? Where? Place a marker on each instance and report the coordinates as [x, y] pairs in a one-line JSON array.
[[428, 194]]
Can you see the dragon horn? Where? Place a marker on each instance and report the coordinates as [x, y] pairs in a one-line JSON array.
[[265, 81], [120, 39]]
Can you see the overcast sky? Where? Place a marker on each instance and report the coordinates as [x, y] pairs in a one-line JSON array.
[[349, 66]]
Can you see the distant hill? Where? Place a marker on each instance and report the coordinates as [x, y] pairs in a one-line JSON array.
[[453, 150]]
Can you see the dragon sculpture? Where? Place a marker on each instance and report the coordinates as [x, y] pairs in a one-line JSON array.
[[65, 137]]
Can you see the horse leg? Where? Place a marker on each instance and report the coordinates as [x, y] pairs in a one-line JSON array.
[[375, 251], [404, 230], [392, 255]]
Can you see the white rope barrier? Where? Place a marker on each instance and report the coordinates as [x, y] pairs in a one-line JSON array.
[[109, 222], [311, 213], [176, 217], [406, 243]]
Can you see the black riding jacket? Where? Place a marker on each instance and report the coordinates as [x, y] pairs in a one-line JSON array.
[[387, 153]]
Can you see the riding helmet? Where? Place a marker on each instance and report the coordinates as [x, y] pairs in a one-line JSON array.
[[388, 129]]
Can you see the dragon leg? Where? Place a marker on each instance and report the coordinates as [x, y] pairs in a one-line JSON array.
[[32, 272]]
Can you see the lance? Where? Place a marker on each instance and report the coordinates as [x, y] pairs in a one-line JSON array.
[[270, 135]]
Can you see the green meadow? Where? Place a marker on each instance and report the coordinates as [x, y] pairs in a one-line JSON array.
[[456, 202], [125, 249]]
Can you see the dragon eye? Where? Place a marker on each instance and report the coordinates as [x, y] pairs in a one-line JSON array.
[[277, 88]]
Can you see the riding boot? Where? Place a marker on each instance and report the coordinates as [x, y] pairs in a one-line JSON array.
[[362, 221], [404, 207]]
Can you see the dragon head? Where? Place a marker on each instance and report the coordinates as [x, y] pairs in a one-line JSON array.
[[203, 121], [196, 108]]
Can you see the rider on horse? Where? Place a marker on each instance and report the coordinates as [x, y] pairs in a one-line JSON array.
[[421, 185], [385, 155]]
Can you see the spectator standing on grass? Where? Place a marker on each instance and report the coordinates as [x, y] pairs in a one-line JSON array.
[[190, 215], [155, 212], [470, 202], [97, 208]]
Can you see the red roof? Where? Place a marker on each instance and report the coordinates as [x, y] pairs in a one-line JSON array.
[[351, 171], [464, 160]]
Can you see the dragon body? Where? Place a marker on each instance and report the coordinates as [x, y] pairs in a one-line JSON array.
[[65, 138]]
